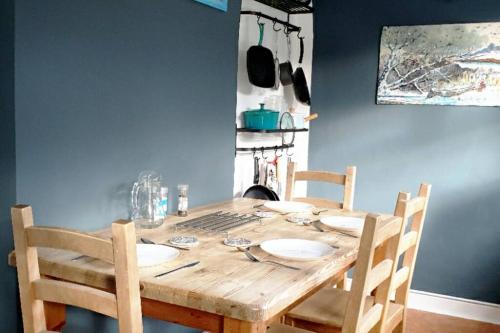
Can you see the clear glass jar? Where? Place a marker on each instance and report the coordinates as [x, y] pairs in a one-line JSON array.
[[182, 205]]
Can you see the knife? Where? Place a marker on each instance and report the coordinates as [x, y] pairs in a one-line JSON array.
[[178, 268], [147, 241]]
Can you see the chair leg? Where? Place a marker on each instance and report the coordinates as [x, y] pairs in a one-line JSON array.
[[400, 328], [342, 284]]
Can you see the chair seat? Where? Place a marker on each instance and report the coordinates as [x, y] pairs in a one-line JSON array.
[[327, 307], [280, 328]]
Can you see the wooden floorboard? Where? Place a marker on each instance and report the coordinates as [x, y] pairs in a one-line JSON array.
[[426, 322]]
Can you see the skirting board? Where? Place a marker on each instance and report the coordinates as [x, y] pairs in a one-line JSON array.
[[451, 306], [454, 306]]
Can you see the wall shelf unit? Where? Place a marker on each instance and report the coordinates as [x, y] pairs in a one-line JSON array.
[[288, 6], [290, 130]]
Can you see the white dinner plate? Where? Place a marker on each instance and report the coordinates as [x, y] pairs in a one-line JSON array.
[[152, 254], [297, 249], [289, 206], [344, 223]]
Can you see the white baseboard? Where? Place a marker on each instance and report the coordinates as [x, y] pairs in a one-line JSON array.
[[454, 306]]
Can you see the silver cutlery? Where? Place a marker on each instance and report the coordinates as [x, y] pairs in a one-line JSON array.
[[255, 259], [194, 263], [258, 206], [316, 225], [148, 241], [79, 257]]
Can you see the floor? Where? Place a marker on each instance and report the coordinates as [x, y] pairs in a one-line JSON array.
[[426, 322]]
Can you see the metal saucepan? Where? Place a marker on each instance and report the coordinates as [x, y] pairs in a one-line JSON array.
[[286, 69]]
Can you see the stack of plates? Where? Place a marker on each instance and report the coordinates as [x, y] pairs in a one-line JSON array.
[[353, 225]]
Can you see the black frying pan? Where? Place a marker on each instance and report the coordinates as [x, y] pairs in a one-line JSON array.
[[286, 69], [260, 64], [258, 191], [299, 80]]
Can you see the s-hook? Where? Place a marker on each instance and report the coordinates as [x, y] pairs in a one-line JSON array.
[[298, 34], [274, 27], [276, 152]]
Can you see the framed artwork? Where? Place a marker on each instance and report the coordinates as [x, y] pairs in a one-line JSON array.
[[219, 4], [453, 64]]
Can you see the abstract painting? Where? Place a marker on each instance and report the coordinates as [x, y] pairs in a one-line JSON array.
[[219, 4], [452, 64]]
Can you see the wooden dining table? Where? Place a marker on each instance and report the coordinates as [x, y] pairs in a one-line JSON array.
[[225, 292]]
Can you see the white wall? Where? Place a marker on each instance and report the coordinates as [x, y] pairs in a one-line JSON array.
[[249, 96]]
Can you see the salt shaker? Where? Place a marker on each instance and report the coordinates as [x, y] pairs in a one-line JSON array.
[[182, 207]]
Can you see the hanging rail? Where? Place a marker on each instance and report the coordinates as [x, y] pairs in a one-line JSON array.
[[289, 27], [259, 149]]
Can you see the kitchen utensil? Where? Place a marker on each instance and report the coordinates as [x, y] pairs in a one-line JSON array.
[[262, 119], [316, 225], [178, 268], [297, 249], [146, 200], [289, 206], [255, 259], [152, 255], [217, 222], [344, 223], [311, 117], [287, 123], [258, 191], [300, 86], [260, 64], [286, 69], [148, 241]]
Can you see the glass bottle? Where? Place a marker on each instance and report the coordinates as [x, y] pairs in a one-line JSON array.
[[182, 206]]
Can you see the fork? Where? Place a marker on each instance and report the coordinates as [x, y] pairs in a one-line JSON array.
[[255, 259]]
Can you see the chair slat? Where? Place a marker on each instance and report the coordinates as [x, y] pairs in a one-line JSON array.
[[319, 202], [371, 318], [64, 239], [320, 176], [76, 295], [409, 240], [415, 205], [379, 274], [390, 228], [401, 277]]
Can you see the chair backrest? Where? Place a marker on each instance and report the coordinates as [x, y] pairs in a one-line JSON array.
[[379, 235], [125, 305], [413, 212], [348, 180]]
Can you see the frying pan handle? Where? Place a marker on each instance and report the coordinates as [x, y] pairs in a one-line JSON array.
[[301, 49], [256, 174], [261, 33]]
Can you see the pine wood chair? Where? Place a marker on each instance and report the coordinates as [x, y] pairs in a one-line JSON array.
[[337, 310], [326, 310], [348, 180], [125, 305]]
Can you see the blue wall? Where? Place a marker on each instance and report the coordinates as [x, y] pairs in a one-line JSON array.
[[396, 147], [105, 89], [8, 292]]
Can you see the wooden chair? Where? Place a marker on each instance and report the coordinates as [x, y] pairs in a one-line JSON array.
[[413, 212], [337, 310], [348, 180], [125, 305], [326, 310]]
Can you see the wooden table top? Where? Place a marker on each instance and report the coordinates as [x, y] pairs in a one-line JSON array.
[[225, 282]]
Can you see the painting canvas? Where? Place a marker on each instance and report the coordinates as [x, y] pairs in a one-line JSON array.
[[219, 4], [453, 64]]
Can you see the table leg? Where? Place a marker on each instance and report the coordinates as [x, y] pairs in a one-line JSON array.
[[55, 316], [232, 325]]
